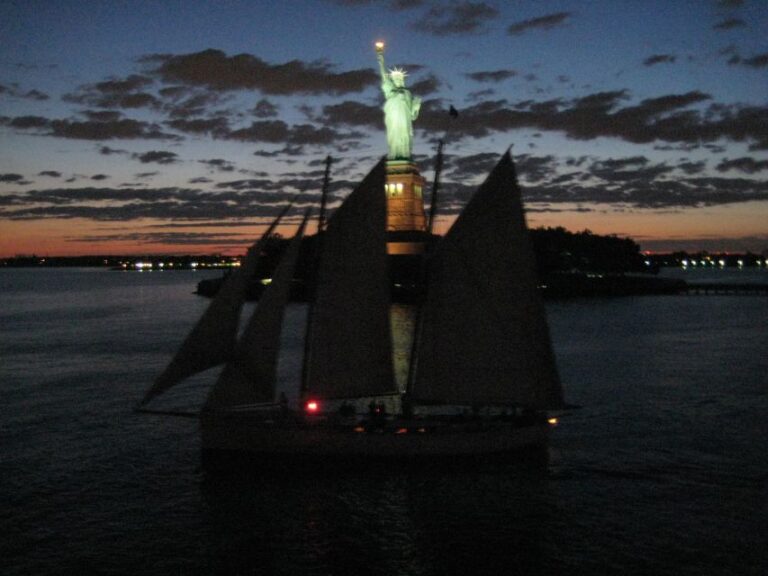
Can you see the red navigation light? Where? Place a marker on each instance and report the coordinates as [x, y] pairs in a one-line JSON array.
[[312, 406]]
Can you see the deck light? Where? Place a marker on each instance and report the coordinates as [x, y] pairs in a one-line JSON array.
[[312, 406], [552, 421]]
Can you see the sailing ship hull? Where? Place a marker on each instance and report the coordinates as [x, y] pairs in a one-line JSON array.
[[242, 434]]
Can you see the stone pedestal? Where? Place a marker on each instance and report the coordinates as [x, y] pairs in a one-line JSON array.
[[405, 205]]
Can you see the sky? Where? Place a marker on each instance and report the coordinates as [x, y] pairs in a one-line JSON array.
[[181, 127]]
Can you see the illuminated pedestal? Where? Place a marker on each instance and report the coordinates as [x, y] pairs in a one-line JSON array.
[[405, 206]]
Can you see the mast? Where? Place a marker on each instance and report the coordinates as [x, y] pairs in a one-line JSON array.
[[417, 324]]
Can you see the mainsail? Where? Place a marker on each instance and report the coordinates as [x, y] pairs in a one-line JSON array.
[[351, 342], [484, 337], [212, 340], [249, 377]]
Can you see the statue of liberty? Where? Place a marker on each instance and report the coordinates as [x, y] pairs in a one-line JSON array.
[[401, 108]]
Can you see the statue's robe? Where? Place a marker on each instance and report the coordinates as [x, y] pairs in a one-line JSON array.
[[400, 110]]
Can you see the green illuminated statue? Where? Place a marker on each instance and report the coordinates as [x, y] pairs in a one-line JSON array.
[[400, 109]]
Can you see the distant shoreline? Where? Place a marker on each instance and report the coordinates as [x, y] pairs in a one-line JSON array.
[[217, 261]]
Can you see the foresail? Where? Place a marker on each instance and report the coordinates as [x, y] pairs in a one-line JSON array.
[[212, 340], [249, 377], [350, 352], [484, 338]]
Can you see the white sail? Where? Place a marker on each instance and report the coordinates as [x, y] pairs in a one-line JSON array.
[[249, 377], [350, 352], [484, 337], [212, 340]]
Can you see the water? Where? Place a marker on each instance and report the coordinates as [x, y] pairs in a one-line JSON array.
[[663, 470]]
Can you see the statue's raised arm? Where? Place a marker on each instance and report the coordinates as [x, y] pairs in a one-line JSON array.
[[401, 108], [382, 68]]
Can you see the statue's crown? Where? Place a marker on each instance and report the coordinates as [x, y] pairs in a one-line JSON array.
[[397, 73]]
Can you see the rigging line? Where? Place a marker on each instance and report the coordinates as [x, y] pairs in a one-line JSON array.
[[324, 194], [167, 412], [423, 279], [311, 279]]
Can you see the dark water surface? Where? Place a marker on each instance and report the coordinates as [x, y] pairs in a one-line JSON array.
[[663, 471]]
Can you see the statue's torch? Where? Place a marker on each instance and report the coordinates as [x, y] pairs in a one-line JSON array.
[[379, 47]]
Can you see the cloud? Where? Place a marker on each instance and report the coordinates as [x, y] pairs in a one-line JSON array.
[[157, 156], [217, 71], [393, 4], [665, 118], [659, 59], [288, 150], [746, 164], [491, 75], [265, 109], [730, 24], [169, 238], [691, 168], [107, 151], [353, 113], [480, 94], [116, 93], [50, 173], [217, 126], [426, 86], [14, 91], [120, 129], [456, 18], [633, 182], [735, 59], [405, 4], [126, 204], [262, 131], [25, 122], [186, 101], [103, 115], [758, 61], [99, 177], [10, 177], [219, 164], [542, 23], [277, 131]]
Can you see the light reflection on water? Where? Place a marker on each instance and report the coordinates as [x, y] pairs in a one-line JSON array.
[[662, 470]]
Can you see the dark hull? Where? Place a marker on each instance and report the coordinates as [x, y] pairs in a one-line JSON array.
[[245, 434]]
